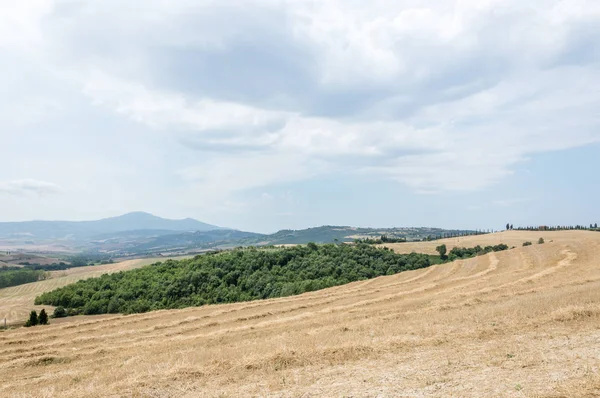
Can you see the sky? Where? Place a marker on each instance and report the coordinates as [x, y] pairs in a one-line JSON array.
[[270, 114]]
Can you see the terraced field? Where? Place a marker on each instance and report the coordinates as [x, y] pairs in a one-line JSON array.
[[524, 322], [16, 302]]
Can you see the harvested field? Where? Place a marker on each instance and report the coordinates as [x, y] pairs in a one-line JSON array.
[[518, 323], [511, 238]]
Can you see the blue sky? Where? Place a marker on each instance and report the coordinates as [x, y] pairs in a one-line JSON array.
[[266, 114]]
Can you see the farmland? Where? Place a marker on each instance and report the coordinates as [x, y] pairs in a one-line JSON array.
[[511, 238], [17, 301], [522, 322]]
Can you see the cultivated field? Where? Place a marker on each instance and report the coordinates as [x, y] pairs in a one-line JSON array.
[[16, 302], [511, 238], [523, 322]]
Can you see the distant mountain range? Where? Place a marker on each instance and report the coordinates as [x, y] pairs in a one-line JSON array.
[[143, 234], [198, 241], [84, 230]]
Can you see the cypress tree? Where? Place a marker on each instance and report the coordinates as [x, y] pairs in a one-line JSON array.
[[33, 319], [43, 318]]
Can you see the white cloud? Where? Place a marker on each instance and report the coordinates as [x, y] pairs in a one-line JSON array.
[[439, 96], [171, 110], [28, 186]]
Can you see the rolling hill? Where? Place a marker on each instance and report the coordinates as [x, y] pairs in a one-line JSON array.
[[82, 230], [231, 238], [522, 322], [17, 301], [143, 234]]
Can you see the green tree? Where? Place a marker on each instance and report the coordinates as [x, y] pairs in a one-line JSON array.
[[43, 318], [59, 312], [236, 275], [33, 319], [312, 246], [442, 249], [541, 241]]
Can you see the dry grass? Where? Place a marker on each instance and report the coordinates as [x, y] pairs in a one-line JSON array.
[[511, 238], [524, 322]]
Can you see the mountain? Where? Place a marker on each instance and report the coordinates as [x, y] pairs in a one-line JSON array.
[[138, 234], [141, 221], [192, 241], [83, 230]]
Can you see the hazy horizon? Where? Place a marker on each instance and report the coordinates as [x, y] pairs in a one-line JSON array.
[[270, 115]]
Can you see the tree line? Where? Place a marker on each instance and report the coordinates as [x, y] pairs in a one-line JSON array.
[[592, 227], [82, 260], [242, 274], [459, 234], [32, 272], [458, 253], [14, 277], [380, 240]]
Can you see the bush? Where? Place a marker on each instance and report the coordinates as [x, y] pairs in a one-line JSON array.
[[527, 243], [541, 241], [33, 319], [442, 250], [59, 312], [72, 312], [463, 252], [43, 318]]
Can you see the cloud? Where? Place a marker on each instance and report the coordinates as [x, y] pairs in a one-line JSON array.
[[28, 187], [437, 96]]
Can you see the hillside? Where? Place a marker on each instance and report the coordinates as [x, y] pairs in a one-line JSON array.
[[79, 230], [231, 276], [511, 238], [190, 241], [522, 322], [16, 302], [142, 234]]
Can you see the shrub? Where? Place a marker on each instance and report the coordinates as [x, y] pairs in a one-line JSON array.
[[463, 252], [442, 249], [72, 312], [59, 312], [527, 243], [541, 241], [43, 318], [33, 319]]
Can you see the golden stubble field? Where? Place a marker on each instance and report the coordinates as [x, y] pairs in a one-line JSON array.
[[519, 323], [511, 238]]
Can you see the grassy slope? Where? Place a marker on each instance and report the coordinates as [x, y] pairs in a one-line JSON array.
[[511, 238]]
